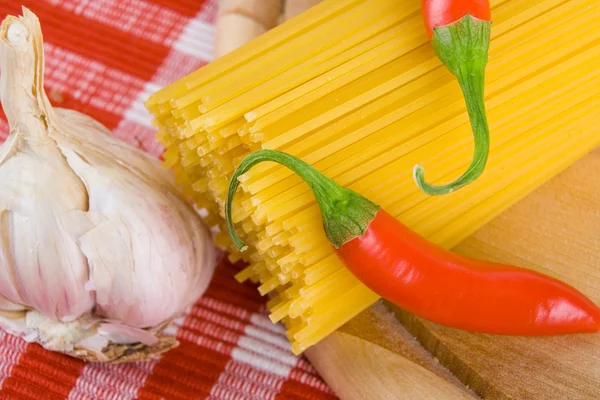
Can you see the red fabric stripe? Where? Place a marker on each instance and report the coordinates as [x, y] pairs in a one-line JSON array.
[[106, 118], [294, 390], [133, 17], [299, 381], [207, 337], [244, 372], [186, 7], [55, 374], [28, 392], [207, 333], [221, 391], [244, 385], [210, 317], [107, 381], [224, 294], [241, 294], [176, 66], [70, 75], [311, 378], [11, 349], [176, 376], [94, 40]]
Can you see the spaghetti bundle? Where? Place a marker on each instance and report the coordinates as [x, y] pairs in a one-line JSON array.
[[354, 88]]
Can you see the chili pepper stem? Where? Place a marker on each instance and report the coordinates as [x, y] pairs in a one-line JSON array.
[[463, 48], [346, 214]]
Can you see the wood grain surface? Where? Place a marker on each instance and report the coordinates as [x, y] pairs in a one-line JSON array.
[[555, 230], [375, 357]]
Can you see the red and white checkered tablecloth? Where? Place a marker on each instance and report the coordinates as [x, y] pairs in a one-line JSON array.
[[103, 58]]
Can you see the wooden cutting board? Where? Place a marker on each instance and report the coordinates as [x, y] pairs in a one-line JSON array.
[[555, 230]]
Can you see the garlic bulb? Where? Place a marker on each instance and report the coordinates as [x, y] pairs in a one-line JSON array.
[[99, 251]]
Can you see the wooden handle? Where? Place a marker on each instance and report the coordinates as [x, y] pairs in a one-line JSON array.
[[263, 12], [232, 31], [374, 357], [295, 7], [239, 21]]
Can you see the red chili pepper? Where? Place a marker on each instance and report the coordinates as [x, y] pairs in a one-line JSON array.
[[460, 35], [427, 280]]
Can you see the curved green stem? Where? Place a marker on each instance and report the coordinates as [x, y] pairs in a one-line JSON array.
[[463, 48], [346, 214]]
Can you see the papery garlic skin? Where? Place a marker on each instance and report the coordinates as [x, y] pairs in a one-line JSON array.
[[97, 244], [128, 206], [37, 189]]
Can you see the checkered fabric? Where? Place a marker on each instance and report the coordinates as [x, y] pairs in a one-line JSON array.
[[103, 58]]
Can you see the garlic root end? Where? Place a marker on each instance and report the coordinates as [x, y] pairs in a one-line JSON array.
[[17, 34]]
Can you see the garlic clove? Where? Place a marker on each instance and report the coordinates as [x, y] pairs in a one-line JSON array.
[[9, 306], [94, 137], [8, 279], [136, 210]]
